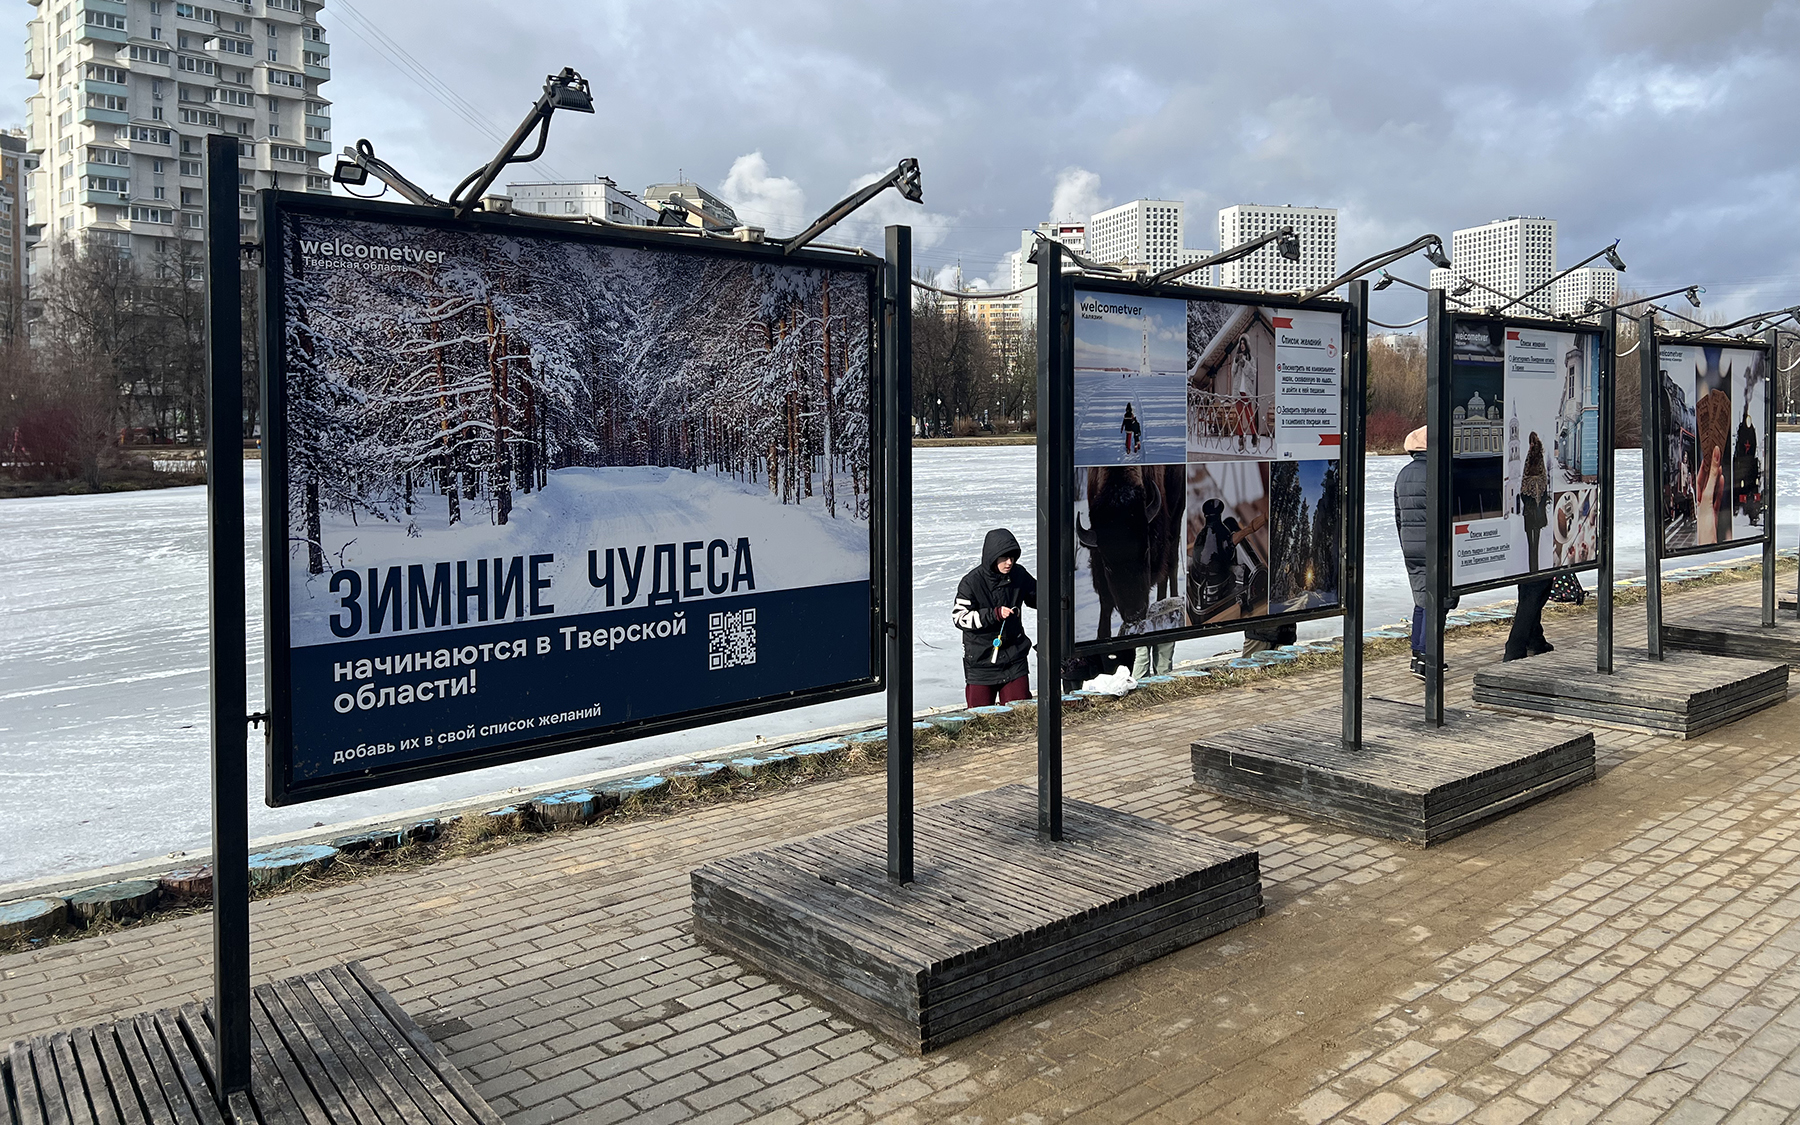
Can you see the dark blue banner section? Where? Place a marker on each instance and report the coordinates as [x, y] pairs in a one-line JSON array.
[[370, 705]]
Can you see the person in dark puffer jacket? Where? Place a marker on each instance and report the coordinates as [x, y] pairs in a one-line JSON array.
[[996, 651], [1412, 518]]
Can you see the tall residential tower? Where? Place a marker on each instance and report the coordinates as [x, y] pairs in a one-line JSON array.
[[1515, 256], [1144, 232], [1266, 269], [128, 91]]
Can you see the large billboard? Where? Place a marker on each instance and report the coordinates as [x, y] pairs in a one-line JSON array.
[[532, 487], [1526, 450], [1206, 438], [1713, 412]]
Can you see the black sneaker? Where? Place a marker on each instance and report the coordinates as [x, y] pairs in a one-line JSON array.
[[1419, 666]]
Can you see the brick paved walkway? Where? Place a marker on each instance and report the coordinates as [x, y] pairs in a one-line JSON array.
[[1623, 952]]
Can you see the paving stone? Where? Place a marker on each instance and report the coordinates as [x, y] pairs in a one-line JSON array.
[[1549, 963]]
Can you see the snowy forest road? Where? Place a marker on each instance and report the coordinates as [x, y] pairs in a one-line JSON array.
[[103, 706]]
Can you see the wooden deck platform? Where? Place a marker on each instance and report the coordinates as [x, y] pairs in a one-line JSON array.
[[1735, 630], [1409, 781], [1685, 695], [328, 1048], [996, 922]]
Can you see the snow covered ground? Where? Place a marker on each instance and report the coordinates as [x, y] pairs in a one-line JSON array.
[[1158, 400], [103, 722]]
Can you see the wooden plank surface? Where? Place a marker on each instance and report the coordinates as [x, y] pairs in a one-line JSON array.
[[1408, 780], [1685, 694], [328, 1048], [23, 1072], [1734, 630], [995, 922], [1674, 725]]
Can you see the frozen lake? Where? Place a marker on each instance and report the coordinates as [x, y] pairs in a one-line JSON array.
[[103, 667]]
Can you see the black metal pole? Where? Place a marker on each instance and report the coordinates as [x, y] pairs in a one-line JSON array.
[[1352, 456], [896, 388], [1437, 489], [1773, 338], [1054, 516], [225, 566], [1653, 439], [1609, 362]]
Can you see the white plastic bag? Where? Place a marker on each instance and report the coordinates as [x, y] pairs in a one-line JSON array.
[[1116, 683]]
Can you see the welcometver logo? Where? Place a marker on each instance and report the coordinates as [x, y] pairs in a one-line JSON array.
[[1094, 310], [364, 251]]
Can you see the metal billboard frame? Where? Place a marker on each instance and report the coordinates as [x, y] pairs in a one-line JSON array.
[[230, 718], [1055, 512], [1649, 346], [1061, 426], [1440, 403], [280, 785]]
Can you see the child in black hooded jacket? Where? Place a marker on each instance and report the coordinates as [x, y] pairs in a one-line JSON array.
[[996, 651]]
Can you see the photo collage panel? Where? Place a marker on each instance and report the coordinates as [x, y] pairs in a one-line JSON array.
[[1206, 442], [1525, 451], [1712, 411]]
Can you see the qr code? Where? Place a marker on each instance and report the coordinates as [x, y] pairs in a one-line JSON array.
[[730, 639]]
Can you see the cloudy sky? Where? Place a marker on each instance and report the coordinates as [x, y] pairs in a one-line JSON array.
[[1666, 124]]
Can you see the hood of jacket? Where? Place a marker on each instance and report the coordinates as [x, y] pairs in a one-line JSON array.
[[999, 542]]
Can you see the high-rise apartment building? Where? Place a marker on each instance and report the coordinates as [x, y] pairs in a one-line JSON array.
[[1070, 234], [1000, 317], [1515, 256], [1207, 276], [1574, 290], [1511, 256], [13, 164], [600, 198], [128, 91], [1144, 232], [1266, 269]]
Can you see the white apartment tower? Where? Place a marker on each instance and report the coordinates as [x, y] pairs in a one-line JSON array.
[[128, 91], [601, 198], [1511, 256], [1574, 290], [1266, 269], [1515, 256], [1144, 232]]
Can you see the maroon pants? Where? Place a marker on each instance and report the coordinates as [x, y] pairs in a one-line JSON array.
[[986, 695]]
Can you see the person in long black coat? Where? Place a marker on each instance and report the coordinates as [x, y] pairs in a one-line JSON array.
[[996, 651], [1412, 519]]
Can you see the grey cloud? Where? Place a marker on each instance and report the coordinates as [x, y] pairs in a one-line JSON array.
[[1662, 122]]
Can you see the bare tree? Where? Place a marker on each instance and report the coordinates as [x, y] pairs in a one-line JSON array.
[[954, 363]]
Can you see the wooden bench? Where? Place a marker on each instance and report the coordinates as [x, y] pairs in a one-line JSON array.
[[996, 921], [327, 1048]]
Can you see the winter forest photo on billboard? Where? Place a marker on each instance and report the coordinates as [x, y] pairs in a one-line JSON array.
[[547, 482], [494, 393]]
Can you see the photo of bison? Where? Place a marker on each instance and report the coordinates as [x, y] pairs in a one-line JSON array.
[[1128, 521]]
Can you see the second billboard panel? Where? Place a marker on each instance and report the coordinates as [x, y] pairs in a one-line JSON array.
[[1525, 450], [1206, 438], [1713, 413]]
